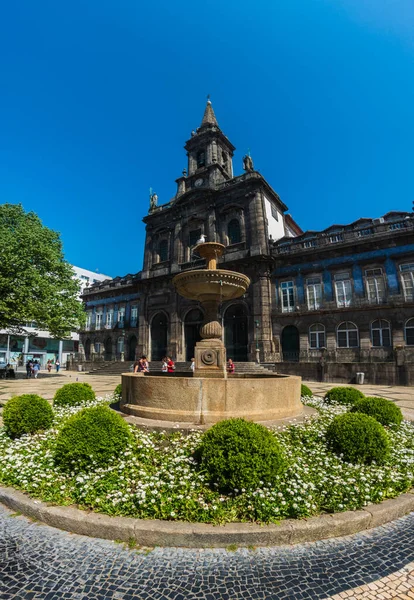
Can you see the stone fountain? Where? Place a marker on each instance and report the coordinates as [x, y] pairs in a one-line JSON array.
[[208, 395], [211, 287]]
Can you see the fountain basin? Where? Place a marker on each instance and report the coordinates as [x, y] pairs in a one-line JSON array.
[[204, 400], [203, 284]]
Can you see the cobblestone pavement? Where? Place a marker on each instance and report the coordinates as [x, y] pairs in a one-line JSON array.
[[38, 562]]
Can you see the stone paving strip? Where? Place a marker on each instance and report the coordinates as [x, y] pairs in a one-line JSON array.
[[182, 534], [38, 562], [396, 585]]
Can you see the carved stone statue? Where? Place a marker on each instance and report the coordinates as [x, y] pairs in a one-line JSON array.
[[248, 163], [153, 201]]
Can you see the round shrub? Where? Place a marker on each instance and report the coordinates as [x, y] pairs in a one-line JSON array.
[[359, 438], [343, 395], [383, 410], [305, 391], [27, 413], [236, 454], [93, 434], [73, 393], [118, 390]]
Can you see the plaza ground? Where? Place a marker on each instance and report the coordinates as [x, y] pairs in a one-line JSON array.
[[42, 563]]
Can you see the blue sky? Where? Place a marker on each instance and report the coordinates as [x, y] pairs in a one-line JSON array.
[[98, 98]]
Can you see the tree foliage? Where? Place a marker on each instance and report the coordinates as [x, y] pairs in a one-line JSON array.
[[36, 283]]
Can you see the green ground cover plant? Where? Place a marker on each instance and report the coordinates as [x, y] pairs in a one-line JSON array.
[[27, 413], [305, 392], [72, 394], [157, 477], [343, 395], [383, 410]]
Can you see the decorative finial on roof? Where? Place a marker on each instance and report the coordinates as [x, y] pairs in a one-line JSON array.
[[209, 117]]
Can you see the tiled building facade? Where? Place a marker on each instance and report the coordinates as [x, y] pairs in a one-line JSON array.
[[321, 304]]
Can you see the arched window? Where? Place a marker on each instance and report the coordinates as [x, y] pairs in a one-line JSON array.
[[409, 332], [163, 250], [381, 333], [347, 335], [201, 159], [316, 336], [224, 160], [233, 231]]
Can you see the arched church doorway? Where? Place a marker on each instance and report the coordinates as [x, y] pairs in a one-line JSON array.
[[192, 324], [290, 343], [236, 333], [159, 330], [108, 348], [132, 346], [87, 348]]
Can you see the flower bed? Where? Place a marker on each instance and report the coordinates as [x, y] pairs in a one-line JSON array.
[[156, 477]]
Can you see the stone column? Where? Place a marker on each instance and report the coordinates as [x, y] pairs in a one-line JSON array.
[[262, 315]]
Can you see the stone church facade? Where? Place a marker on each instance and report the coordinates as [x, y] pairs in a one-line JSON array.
[[304, 286]]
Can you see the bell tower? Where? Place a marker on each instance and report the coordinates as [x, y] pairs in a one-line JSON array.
[[210, 155]]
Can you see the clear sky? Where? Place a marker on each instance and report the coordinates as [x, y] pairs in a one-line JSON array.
[[97, 99]]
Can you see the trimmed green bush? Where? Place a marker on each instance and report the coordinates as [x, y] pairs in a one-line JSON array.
[[118, 390], [27, 413], [305, 391], [383, 410], [238, 455], [358, 438], [73, 393], [93, 434], [343, 395]]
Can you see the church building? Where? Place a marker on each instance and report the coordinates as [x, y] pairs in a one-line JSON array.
[[317, 300]]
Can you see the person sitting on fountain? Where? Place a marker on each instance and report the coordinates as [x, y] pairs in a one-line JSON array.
[[231, 367], [170, 365]]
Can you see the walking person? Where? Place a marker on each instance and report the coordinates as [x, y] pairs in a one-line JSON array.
[[29, 369], [57, 365], [36, 368], [192, 366], [49, 365]]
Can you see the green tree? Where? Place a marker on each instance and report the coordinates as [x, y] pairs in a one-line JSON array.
[[36, 283]]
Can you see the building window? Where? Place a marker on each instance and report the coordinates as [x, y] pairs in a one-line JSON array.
[[193, 237], [201, 159], [347, 335], [381, 333], [88, 320], [288, 296], [364, 232], [109, 319], [275, 214], [98, 320], [163, 251], [134, 316], [309, 244], [375, 285], [224, 160], [121, 316], [314, 293], [97, 347], [233, 231], [316, 336], [407, 277], [409, 332], [120, 345], [335, 238], [343, 289]]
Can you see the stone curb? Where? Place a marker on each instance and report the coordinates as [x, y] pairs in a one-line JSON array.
[[198, 535]]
